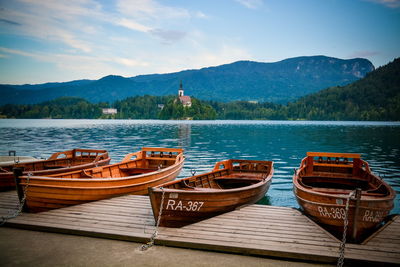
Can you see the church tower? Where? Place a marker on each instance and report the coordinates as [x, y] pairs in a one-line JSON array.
[[185, 100], [180, 91]]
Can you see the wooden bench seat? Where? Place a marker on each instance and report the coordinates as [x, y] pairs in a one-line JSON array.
[[51, 167], [133, 171]]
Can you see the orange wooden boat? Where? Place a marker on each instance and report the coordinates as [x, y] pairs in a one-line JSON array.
[[231, 184], [322, 186], [133, 175], [59, 162]]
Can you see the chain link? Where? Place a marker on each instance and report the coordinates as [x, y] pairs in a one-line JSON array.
[[345, 224], [15, 213], [154, 235]]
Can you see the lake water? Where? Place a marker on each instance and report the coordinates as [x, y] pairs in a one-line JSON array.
[[206, 142]]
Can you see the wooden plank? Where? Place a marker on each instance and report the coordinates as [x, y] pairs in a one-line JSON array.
[[329, 154], [255, 230]]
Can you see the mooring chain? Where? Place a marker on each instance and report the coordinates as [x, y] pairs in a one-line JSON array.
[[15, 213], [154, 235], [345, 224]]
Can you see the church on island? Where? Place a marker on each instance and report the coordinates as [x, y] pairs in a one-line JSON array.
[[185, 100]]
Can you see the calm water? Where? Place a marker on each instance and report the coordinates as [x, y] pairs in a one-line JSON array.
[[206, 142]]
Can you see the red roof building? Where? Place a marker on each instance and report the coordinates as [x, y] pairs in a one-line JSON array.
[[185, 100]]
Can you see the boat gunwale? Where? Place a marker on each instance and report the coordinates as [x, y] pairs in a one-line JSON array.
[[108, 179], [267, 179], [310, 190], [179, 160]]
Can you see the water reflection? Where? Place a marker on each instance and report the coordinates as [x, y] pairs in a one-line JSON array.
[[205, 142]]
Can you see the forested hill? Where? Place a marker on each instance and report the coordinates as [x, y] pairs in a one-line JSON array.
[[278, 82], [375, 97]]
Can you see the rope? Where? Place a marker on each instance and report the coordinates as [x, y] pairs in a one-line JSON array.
[[15, 213], [154, 235], [345, 224]]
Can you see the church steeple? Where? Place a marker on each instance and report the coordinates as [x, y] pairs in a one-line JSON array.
[[180, 91]]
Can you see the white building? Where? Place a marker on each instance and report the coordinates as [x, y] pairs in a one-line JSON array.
[[109, 111], [184, 99]]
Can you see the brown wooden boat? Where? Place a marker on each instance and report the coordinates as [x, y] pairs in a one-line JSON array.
[[133, 175], [64, 161], [232, 184], [322, 186]]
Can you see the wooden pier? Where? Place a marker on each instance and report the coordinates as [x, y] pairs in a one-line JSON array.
[[254, 230]]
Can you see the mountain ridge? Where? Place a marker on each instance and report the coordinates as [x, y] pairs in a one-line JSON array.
[[278, 82]]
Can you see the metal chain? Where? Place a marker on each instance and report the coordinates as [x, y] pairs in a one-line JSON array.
[[345, 224], [154, 235], [17, 212]]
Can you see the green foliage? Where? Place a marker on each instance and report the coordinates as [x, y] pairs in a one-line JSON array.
[[198, 111], [60, 108], [140, 107], [278, 82], [244, 110], [376, 97]]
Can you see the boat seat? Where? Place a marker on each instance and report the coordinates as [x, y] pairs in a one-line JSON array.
[[136, 171], [331, 190], [206, 189], [50, 167], [189, 187], [379, 191], [84, 174], [237, 179], [3, 170]]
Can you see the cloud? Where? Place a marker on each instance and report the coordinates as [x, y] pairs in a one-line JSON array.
[[133, 25], [74, 60], [130, 62], [251, 4], [168, 36], [53, 21], [363, 54], [10, 22], [82, 38], [18, 52], [200, 15], [387, 3], [200, 58], [149, 9]]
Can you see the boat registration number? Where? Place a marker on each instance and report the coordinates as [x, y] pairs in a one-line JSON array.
[[184, 205], [335, 213], [340, 213]]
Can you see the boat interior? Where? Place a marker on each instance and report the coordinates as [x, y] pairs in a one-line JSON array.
[[62, 159], [340, 176], [226, 175], [133, 164]]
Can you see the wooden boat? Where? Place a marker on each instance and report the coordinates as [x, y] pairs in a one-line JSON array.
[[322, 186], [12, 158], [133, 175], [231, 184], [59, 162]]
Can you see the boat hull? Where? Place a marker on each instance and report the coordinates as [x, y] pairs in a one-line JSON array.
[[69, 161], [183, 208], [326, 181], [186, 206], [326, 211], [45, 193]]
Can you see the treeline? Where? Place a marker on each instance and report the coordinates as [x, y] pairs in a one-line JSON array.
[[138, 107], [60, 108], [375, 97]]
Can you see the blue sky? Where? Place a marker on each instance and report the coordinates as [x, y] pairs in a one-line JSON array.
[[55, 41]]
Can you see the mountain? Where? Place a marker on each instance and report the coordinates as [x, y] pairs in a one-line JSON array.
[[375, 97], [278, 82]]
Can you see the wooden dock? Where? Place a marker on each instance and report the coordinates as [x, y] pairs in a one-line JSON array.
[[254, 230]]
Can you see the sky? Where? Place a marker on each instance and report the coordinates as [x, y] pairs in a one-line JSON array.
[[57, 40]]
